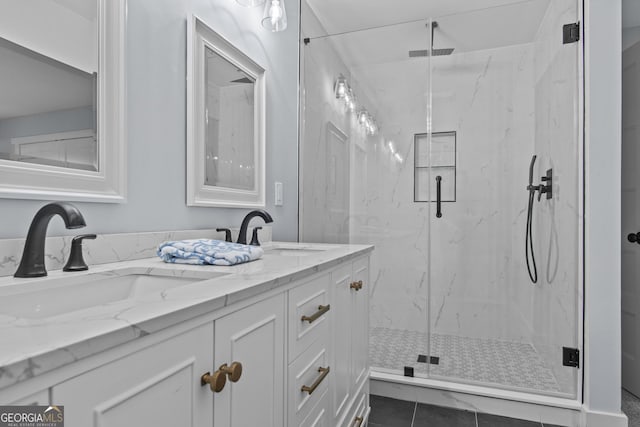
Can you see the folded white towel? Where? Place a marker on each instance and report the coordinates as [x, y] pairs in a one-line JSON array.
[[205, 251]]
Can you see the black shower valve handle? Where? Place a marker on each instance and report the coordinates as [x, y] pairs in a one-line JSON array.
[[634, 237]]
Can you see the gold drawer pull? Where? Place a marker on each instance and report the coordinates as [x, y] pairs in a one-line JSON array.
[[218, 380], [323, 373], [356, 285], [357, 422], [322, 309]]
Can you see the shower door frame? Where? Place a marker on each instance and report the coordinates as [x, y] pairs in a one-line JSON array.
[[483, 394]]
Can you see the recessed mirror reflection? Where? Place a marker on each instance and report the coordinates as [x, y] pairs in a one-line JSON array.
[[229, 133], [47, 111]]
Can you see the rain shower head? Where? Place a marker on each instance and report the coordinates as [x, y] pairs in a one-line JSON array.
[[427, 52]]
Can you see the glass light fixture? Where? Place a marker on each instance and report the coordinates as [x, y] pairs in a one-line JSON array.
[[275, 17], [362, 117], [373, 126], [250, 3], [340, 87], [351, 102], [348, 94]]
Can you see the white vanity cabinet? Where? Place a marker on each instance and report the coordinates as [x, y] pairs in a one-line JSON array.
[[253, 337], [301, 347], [337, 339], [350, 341], [161, 384], [158, 386]]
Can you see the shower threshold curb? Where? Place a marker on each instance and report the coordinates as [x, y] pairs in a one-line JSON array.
[[528, 406]]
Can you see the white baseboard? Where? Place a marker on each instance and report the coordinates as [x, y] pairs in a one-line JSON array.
[[604, 419]]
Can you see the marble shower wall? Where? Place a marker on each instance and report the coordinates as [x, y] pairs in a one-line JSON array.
[[478, 282], [554, 306], [332, 152]]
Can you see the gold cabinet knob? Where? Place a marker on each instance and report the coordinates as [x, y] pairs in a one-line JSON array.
[[218, 380], [357, 422], [356, 285], [234, 372]]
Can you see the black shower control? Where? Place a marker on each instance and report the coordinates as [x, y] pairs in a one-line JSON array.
[[634, 237]]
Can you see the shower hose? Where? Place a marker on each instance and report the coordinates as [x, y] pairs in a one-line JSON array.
[[533, 272]]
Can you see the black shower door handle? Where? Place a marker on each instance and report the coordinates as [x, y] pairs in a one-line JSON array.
[[438, 196]]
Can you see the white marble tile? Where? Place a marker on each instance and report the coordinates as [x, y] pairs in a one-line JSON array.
[[107, 248]]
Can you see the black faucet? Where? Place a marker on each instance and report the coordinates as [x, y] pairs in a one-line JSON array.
[[242, 236], [32, 262]]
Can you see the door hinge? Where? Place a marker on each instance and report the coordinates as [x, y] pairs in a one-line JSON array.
[[571, 33], [571, 357]]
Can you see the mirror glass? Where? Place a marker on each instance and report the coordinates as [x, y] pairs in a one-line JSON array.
[[229, 130], [48, 82]]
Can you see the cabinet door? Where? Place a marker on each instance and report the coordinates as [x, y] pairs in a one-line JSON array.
[[340, 378], [360, 322], [40, 398], [157, 386], [254, 337]]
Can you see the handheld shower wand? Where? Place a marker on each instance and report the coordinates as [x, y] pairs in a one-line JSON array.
[[531, 267], [541, 189]]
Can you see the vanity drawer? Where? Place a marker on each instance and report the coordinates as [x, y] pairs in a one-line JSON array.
[[359, 413], [309, 371], [308, 312], [319, 415]]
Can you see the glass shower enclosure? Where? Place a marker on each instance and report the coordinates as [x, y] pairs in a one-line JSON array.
[[418, 137]]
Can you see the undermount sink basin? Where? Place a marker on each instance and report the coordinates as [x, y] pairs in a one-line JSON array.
[[53, 297]]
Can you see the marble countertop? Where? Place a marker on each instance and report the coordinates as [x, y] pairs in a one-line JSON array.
[[34, 345]]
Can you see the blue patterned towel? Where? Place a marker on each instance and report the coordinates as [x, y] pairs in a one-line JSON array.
[[205, 251]]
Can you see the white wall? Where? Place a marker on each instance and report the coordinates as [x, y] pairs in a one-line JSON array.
[[156, 69]]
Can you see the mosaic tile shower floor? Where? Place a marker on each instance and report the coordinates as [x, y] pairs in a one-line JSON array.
[[486, 361]]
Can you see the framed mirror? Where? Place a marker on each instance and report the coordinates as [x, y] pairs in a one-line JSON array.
[[62, 110], [225, 123]]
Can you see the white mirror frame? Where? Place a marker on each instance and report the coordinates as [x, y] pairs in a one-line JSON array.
[[19, 180], [199, 36]]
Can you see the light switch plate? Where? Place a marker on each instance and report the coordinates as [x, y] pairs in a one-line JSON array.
[[279, 192]]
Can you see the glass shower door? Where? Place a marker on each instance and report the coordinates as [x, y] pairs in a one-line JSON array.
[[363, 99], [495, 103]]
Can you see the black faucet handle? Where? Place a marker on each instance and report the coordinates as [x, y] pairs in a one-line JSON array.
[[254, 237], [76, 260], [227, 234]]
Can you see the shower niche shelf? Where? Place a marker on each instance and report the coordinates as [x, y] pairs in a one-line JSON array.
[[440, 160]]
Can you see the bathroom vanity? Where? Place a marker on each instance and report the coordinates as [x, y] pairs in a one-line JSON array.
[[282, 341]]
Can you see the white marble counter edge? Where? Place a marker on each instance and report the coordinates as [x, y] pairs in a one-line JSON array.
[[31, 348]]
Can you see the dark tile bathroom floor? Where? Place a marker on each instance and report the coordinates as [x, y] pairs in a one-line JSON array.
[[387, 412]]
